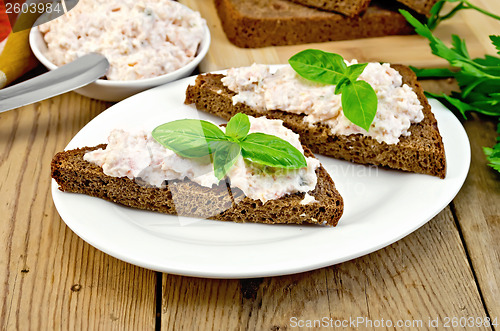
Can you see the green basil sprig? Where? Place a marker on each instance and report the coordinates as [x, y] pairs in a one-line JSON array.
[[359, 100], [197, 138]]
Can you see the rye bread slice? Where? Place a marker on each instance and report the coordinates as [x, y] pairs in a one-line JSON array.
[[349, 8], [420, 6], [186, 198], [260, 23], [421, 152]]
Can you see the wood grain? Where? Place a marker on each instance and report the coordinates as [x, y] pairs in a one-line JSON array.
[[50, 279], [477, 205], [425, 275], [408, 50], [477, 208]]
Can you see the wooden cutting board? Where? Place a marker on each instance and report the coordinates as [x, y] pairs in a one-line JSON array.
[[409, 50]]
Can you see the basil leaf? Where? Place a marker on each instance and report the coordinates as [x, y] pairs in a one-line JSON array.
[[330, 68], [340, 85], [225, 155], [238, 126], [353, 71], [271, 151], [319, 66], [195, 138], [189, 137], [359, 102]]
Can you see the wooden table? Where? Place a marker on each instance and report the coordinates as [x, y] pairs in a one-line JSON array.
[[51, 279]]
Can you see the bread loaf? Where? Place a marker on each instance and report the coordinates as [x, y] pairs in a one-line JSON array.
[[347, 7], [420, 6], [260, 23]]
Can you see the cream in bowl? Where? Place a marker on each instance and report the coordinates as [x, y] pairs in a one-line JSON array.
[[147, 42]]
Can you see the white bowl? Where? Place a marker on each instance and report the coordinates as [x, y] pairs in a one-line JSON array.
[[109, 90]]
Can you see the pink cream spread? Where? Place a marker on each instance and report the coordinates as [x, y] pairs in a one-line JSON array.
[[139, 156], [140, 38], [260, 88]]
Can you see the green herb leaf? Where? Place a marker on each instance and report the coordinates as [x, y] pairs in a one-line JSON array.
[[271, 151], [478, 79], [341, 84], [355, 70], [359, 103], [196, 138], [188, 138], [496, 42], [319, 66], [225, 155], [238, 126], [432, 72], [359, 100], [493, 156], [436, 17], [459, 46]]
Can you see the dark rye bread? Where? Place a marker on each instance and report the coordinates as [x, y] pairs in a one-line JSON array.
[[347, 7], [420, 6], [421, 152], [186, 198], [260, 23]]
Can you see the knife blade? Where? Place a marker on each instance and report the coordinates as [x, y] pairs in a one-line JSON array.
[[81, 72]]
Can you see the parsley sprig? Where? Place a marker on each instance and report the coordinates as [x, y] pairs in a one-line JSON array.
[[192, 138], [478, 79], [359, 100], [436, 17]]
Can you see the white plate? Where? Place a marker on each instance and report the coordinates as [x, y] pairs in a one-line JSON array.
[[381, 206]]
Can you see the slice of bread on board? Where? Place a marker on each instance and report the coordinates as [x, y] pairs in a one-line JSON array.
[[347, 7], [260, 23], [420, 6], [421, 152], [184, 197]]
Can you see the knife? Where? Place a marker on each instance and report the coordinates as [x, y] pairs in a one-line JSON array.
[[82, 71]]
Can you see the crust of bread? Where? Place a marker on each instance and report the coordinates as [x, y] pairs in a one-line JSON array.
[[260, 23], [421, 152], [186, 198], [420, 6], [349, 8]]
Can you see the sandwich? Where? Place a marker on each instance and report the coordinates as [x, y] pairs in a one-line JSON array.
[[195, 168], [403, 135]]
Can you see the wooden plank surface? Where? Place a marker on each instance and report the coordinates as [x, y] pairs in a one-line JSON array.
[[477, 205], [424, 276], [477, 208], [50, 279], [412, 50]]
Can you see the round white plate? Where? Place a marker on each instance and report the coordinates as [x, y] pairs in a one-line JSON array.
[[381, 206]]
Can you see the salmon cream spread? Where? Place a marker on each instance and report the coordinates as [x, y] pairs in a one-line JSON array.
[[140, 38], [139, 156], [261, 89]]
